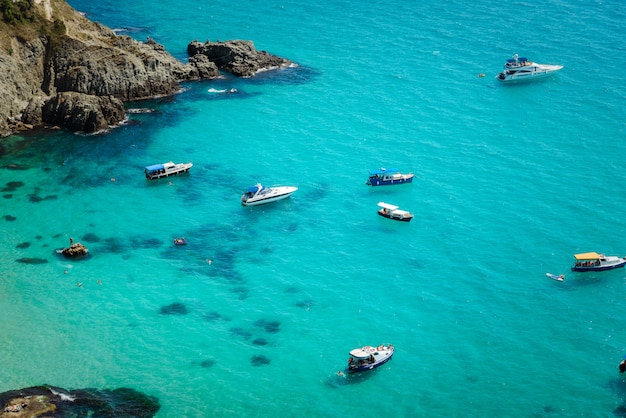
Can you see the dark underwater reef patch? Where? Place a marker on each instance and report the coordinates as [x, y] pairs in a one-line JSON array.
[[31, 260], [259, 341], [9, 218], [269, 326], [214, 316], [306, 304], [296, 75], [90, 237], [240, 332], [23, 245], [175, 308], [207, 363], [36, 199], [260, 360], [138, 242], [52, 401], [12, 186]]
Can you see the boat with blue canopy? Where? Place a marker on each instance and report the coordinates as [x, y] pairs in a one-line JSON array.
[[388, 177], [158, 171]]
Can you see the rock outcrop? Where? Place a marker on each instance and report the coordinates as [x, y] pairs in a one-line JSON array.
[[75, 250], [237, 57], [59, 68], [50, 401]]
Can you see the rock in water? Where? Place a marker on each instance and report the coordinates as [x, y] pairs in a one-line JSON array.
[[75, 250]]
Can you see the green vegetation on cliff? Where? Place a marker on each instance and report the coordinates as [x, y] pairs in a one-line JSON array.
[[20, 11]]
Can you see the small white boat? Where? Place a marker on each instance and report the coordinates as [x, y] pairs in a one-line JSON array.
[[521, 69], [559, 277], [392, 212], [158, 171], [259, 195], [368, 357], [593, 261]]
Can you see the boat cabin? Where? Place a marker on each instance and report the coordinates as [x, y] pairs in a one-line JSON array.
[[588, 259]]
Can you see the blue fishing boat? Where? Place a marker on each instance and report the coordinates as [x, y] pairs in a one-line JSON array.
[[368, 357], [388, 177]]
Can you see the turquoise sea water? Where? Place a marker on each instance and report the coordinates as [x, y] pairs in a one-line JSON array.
[[511, 180]]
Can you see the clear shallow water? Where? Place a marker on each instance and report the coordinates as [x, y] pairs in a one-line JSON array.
[[510, 182]]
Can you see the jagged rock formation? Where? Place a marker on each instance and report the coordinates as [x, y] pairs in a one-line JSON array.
[[59, 68], [75, 250], [50, 401], [237, 57]]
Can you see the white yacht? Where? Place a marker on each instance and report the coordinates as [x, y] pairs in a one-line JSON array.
[[259, 195], [521, 69]]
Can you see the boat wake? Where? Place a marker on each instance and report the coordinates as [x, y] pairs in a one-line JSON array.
[[229, 91]]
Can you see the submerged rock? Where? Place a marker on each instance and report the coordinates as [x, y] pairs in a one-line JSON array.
[[175, 308], [51, 401], [31, 260], [260, 360]]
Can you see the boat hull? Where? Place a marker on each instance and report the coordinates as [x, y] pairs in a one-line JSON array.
[[253, 202], [395, 218], [620, 264], [391, 182], [173, 173], [526, 76], [368, 367]]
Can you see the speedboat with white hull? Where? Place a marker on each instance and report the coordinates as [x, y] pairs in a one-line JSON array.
[[521, 69], [259, 194]]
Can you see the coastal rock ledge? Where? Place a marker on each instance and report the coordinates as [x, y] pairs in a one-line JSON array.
[[58, 68], [50, 401], [237, 57]]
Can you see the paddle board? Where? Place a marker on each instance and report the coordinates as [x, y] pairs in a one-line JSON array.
[[555, 277]]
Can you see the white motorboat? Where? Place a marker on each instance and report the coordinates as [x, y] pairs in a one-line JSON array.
[[259, 195], [368, 357], [158, 171], [521, 69], [393, 212]]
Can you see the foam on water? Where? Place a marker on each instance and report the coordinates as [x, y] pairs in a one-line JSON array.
[[510, 182]]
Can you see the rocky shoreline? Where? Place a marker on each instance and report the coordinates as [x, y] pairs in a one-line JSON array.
[[52, 401], [77, 74]]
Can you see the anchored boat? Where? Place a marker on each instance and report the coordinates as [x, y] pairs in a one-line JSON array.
[[392, 212], [368, 357], [521, 69], [259, 195], [388, 177], [593, 261], [158, 171]]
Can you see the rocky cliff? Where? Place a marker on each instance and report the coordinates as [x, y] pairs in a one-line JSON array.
[[59, 68]]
